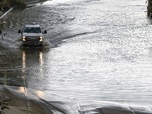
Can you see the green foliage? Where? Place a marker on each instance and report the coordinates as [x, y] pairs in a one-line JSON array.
[[18, 3]]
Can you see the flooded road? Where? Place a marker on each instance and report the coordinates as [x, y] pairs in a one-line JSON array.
[[96, 50]]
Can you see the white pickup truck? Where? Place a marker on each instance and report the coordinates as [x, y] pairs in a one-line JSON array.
[[32, 35]]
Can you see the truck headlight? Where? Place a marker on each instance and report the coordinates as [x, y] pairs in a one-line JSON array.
[[23, 38], [41, 39]]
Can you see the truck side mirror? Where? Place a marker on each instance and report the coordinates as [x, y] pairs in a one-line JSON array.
[[19, 31], [44, 31]]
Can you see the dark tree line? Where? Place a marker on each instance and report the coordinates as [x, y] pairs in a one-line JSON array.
[[6, 4]]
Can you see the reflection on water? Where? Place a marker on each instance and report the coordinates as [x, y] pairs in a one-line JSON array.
[[31, 60], [24, 90], [40, 93], [41, 62], [24, 67], [21, 89], [32, 64]]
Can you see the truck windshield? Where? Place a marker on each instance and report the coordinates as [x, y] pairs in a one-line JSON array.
[[32, 30]]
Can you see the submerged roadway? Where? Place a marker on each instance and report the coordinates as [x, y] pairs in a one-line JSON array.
[[97, 52]]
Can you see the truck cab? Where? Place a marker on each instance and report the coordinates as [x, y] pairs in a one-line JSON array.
[[32, 35]]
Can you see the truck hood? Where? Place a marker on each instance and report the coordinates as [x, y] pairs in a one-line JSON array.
[[32, 34]]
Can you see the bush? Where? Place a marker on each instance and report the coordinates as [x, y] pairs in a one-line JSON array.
[[10, 3], [18, 3]]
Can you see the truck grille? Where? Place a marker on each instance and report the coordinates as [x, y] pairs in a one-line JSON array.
[[31, 38]]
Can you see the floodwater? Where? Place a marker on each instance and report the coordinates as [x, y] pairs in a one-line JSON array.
[[95, 50]]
